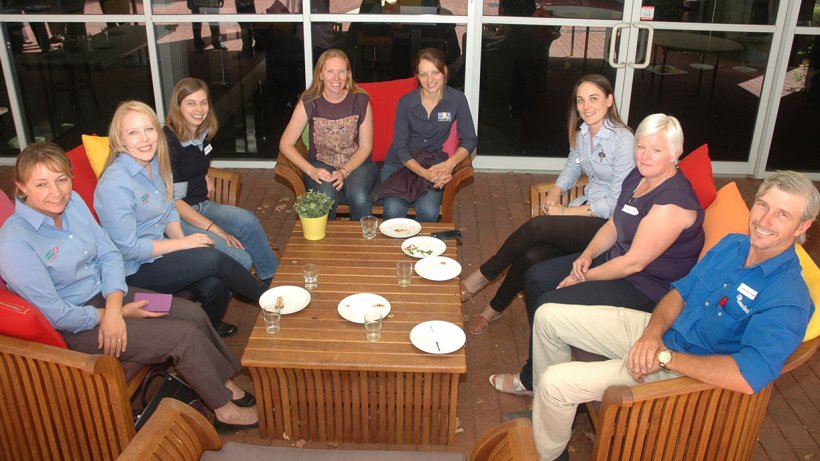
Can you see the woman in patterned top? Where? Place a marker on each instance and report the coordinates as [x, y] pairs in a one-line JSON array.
[[340, 123]]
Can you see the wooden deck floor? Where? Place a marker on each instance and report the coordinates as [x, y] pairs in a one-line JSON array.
[[487, 211]]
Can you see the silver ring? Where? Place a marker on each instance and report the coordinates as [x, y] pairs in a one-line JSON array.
[[119, 340]]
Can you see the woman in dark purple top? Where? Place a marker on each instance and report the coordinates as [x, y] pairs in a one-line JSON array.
[[653, 238]]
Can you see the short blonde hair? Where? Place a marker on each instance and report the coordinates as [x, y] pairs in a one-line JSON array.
[[794, 183], [669, 125], [46, 153]]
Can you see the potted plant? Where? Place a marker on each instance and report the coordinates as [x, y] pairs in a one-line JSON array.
[[313, 207]]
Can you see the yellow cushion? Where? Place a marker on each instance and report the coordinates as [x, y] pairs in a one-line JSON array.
[[728, 214], [811, 274], [96, 148]]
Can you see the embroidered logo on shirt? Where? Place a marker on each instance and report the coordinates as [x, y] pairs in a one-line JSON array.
[[51, 254], [445, 116], [741, 304], [144, 198]]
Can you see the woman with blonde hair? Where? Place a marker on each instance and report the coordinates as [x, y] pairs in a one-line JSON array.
[[189, 128], [134, 202], [340, 125]]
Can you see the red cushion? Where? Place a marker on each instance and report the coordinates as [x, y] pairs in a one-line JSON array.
[[6, 207], [20, 319], [84, 180], [384, 97], [697, 167]]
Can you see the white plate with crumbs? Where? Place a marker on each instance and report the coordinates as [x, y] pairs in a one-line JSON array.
[[294, 298], [400, 228], [354, 307], [437, 337], [423, 247], [438, 268]]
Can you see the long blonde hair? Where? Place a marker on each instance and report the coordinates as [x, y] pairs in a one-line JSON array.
[[317, 87], [116, 144]]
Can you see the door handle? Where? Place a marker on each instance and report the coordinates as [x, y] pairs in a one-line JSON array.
[[649, 39], [615, 29]]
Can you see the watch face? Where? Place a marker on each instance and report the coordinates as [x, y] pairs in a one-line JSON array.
[[664, 358]]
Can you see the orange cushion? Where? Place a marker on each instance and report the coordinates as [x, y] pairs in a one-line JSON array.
[[727, 214], [697, 167], [384, 98], [84, 180], [19, 319]]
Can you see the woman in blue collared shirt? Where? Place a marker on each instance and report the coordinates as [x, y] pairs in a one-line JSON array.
[[602, 147], [55, 256], [134, 202], [416, 169]]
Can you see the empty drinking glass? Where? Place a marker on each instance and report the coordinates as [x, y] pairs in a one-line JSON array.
[[273, 317], [373, 326], [369, 226], [404, 269], [311, 273]]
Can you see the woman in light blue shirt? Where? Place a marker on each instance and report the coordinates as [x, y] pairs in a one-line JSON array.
[[602, 147], [55, 256], [134, 202]]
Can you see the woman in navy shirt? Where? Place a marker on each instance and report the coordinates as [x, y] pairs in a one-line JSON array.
[[134, 202], [416, 169]]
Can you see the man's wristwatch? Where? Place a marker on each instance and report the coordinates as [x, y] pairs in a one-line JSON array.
[[664, 357]]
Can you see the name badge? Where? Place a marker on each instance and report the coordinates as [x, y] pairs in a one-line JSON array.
[[629, 209], [445, 116], [208, 149], [747, 291]]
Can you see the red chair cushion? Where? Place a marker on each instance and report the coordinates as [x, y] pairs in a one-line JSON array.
[[84, 180], [6, 208], [697, 167], [384, 98], [19, 319]]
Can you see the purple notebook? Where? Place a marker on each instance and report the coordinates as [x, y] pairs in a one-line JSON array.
[[157, 302]]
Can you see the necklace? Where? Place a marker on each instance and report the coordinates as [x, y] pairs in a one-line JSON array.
[[651, 188]]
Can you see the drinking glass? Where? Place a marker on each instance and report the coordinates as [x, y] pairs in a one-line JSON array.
[[369, 226], [373, 326], [273, 317], [311, 273], [404, 269]]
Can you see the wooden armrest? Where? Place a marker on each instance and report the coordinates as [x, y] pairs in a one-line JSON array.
[[227, 186], [288, 174], [462, 176], [175, 431], [511, 440], [539, 191]]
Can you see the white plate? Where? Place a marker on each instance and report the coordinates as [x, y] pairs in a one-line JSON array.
[[355, 306], [400, 228], [437, 337], [295, 298], [438, 268], [423, 247]]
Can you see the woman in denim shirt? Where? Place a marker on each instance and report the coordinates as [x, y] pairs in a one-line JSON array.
[[601, 147]]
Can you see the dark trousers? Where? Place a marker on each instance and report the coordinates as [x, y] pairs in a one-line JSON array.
[[210, 274], [539, 288], [539, 239], [185, 336]]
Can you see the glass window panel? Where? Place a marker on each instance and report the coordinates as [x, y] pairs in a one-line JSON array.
[[809, 13], [794, 144], [711, 82], [544, 9], [253, 85], [227, 6], [71, 6], [74, 88], [527, 76], [715, 11], [457, 7]]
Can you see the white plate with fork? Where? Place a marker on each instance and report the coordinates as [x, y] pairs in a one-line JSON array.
[[437, 337]]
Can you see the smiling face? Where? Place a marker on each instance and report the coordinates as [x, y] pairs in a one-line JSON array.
[[46, 191], [139, 136], [194, 109], [775, 222], [592, 104], [430, 77], [334, 76], [654, 156]]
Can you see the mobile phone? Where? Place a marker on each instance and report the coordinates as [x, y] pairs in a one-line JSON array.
[[157, 302], [444, 235]]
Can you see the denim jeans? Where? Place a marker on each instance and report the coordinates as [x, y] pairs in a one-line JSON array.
[[243, 225], [355, 191], [427, 206]]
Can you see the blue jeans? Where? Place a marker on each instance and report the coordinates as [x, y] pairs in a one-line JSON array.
[[243, 225], [427, 206], [355, 191]]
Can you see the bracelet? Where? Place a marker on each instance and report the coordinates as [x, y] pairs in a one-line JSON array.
[[344, 172], [209, 226]]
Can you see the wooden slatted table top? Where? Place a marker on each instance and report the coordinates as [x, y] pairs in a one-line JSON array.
[[319, 338]]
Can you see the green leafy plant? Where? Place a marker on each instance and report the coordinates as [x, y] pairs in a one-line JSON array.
[[313, 204]]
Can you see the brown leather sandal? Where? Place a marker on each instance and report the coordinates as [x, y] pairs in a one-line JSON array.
[[479, 324]]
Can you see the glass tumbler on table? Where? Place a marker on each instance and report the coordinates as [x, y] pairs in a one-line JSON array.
[[369, 226], [373, 326], [404, 270], [311, 274]]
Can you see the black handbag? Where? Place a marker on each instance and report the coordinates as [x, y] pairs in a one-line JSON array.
[[172, 387]]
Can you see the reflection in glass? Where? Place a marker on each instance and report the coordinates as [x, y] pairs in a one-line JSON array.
[[9, 144], [711, 82], [224, 7], [70, 7], [527, 76], [253, 86], [714, 11], [457, 7], [793, 147], [809, 13], [72, 88]]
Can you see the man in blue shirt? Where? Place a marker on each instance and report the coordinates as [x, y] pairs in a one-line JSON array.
[[732, 322]]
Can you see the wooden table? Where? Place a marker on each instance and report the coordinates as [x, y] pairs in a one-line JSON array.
[[320, 379]]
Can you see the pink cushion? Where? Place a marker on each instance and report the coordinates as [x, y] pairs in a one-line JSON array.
[[697, 167], [20, 319], [384, 98], [84, 180], [451, 144]]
